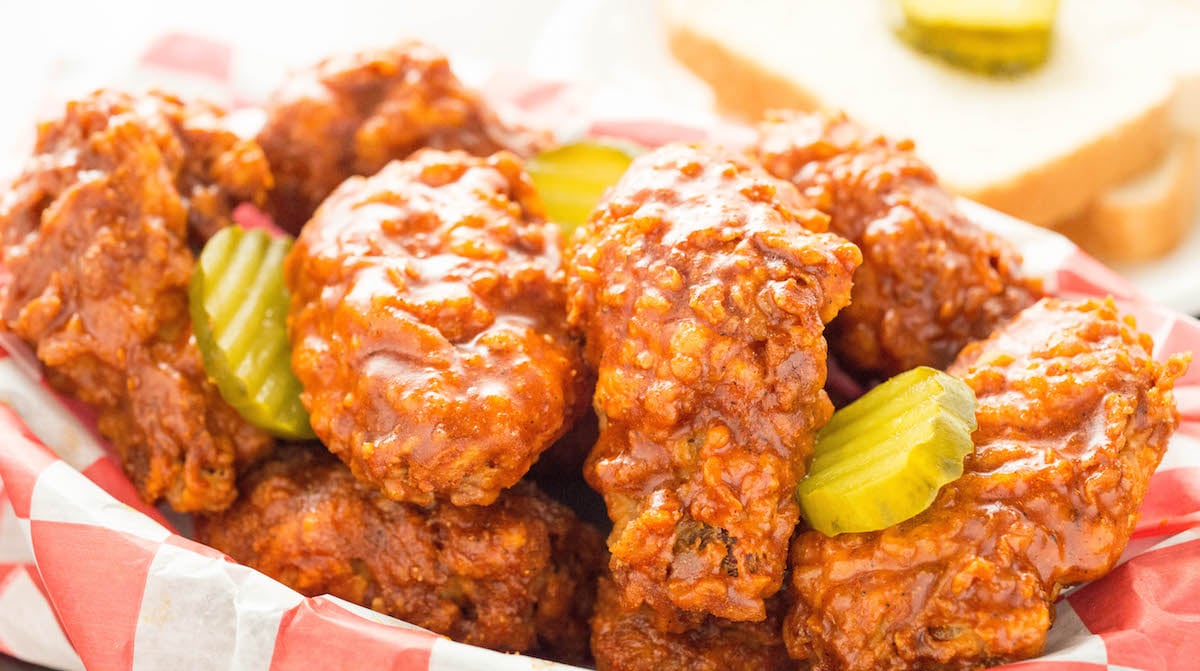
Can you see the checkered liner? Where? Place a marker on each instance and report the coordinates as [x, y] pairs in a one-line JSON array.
[[90, 577]]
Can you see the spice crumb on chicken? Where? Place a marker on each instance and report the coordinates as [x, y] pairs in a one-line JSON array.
[[931, 280], [1074, 416], [428, 326], [702, 286], [352, 114], [96, 237], [516, 576], [625, 639]]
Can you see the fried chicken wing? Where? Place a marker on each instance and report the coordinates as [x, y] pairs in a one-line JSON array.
[[428, 327], [95, 241], [626, 640], [703, 286], [517, 576], [350, 115], [931, 280], [1074, 415]]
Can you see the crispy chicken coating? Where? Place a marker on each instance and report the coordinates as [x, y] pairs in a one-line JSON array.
[[1074, 415], [703, 286], [95, 240], [931, 280], [516, 576], [350, 115], [626, 640], [428, 327]]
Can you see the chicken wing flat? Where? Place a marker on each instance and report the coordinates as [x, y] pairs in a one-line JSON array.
[[428, 325], [95, 241], [1074, 416], [931, 280], [703, 286], [516, 576], [626, 640], [350, 115]]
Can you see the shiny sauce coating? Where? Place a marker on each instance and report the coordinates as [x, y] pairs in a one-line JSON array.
[[931, 279], [97, 233], [702, 286], [1074, 416], [428, 327]]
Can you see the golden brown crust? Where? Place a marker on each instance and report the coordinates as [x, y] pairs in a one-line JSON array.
[[1074, 415], [428, 327], [703, 291], [351, 115], [626, 640], [931, 280], [517, 576], [95, 235]]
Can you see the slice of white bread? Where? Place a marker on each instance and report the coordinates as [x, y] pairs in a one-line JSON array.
[[1145, 217], [1041, 147]]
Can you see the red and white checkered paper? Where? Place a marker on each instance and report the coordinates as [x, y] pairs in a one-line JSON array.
[[90, 577]]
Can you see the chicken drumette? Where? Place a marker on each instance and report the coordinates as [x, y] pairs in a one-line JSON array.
[[625, 639], [931, 279], [351, 115], [95, 236], [516, 576], [702, 286], [428, 326], [1074, 415]]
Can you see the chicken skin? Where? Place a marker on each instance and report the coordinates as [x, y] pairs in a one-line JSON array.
[[516, 576], [1074, 415], [626, 640], [428, 326], [351, 115], [702, 286], [95, 236], [931, 280]]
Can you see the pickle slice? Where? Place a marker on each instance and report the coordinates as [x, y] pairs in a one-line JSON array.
[[988, 36], [239, 306], [883, 458], [571, 179], [983, 14]]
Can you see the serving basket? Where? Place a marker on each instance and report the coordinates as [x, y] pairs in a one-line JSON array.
[[91, 577]]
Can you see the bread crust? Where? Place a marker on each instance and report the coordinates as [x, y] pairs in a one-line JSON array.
[[1118, 229], [1054, 191]]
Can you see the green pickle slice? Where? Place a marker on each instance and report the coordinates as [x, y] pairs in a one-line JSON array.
[[1003, 37], [239, 307], [882, 459], [572, 178]]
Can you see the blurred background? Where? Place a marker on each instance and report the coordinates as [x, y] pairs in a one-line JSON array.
[[1094, 138]]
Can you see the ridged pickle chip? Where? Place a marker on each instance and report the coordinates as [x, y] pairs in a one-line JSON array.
[[572, 178], [883, 458], [987, 36], [239, 307]]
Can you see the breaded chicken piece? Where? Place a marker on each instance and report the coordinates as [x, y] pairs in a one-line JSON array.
[[702, 286], [931, 280], [1074, 415], [516, 576], [95, 238], [428, 326], [351, 115], [626, 640]]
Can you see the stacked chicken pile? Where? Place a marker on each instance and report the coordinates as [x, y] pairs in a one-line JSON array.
[[446, 338]]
